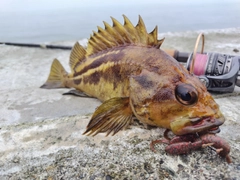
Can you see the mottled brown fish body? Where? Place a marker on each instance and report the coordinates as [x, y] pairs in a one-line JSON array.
[[106, 74], [124, 67]]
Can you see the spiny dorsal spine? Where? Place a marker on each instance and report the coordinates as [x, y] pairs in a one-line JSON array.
[[113, 36]]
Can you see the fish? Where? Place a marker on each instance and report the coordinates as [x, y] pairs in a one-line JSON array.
[[124, 67]]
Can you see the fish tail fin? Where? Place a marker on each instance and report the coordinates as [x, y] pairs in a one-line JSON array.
[[56, 78]]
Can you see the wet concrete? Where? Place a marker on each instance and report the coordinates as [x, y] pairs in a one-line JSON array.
[[41, 132]]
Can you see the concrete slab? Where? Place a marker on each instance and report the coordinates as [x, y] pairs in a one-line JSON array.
[[41, 132]]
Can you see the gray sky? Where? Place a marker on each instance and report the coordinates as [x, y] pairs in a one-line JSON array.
[[31, 5]]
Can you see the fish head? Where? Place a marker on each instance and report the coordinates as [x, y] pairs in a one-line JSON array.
[[178, 101]]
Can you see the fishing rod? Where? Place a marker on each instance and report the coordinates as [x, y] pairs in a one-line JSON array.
[[219, 72], [44, 46]]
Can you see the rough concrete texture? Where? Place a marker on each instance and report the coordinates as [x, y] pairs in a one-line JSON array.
[[41, 132]]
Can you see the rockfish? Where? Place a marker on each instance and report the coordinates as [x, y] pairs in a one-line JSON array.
[[124, 68]]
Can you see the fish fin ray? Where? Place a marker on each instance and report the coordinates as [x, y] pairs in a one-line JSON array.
[[142, 31], [107, 38], [159, 43], [92, 46], [77, 55], [152, 38], [131, 29], [118, 34], [110, 117], [122, 31], [56, 76], [114, 33], [100, 40]]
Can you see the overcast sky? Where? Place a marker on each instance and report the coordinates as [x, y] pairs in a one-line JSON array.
[[31, 5]]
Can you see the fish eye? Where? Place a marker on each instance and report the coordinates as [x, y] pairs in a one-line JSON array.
[[186, 94]]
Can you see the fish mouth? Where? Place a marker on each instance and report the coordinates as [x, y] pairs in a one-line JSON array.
[[197, 125], [205, 124]]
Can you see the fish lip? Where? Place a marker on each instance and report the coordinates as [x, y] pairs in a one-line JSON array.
[[203, 124], [214, 130]]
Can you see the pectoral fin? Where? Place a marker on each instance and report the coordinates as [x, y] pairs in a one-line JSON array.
[[112, 116]]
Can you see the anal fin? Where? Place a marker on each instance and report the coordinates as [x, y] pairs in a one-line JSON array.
[[77, 93], [112, 116]]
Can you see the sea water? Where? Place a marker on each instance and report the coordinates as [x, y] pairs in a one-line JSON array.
[[179, 21]]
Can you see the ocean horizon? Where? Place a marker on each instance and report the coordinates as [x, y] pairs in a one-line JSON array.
[[43, 21]]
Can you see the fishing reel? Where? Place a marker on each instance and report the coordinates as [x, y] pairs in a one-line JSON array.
[[219, 72]]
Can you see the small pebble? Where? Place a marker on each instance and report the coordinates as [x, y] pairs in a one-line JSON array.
[[108, 177], [235, 50]]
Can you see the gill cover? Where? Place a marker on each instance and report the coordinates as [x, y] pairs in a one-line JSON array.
[[148, 92]]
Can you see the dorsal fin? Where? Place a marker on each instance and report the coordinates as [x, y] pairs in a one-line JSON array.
[[118, 34], [77, 54]]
